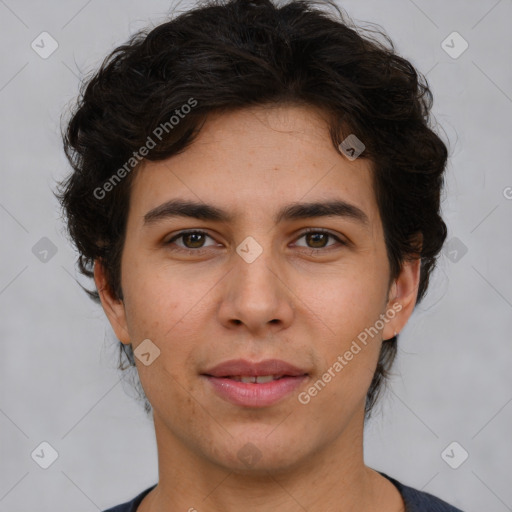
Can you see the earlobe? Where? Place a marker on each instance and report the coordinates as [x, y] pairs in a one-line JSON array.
[[112, 306], [402, 297]]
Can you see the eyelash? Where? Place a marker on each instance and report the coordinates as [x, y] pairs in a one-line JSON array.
[[306, 232]]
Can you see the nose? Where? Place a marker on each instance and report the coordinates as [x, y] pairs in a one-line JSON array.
[[255, 294]]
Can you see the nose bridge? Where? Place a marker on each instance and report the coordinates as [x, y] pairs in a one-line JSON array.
[[253, 263], [256, 295]]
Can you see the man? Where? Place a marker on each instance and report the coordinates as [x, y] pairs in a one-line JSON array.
[[256, 193]]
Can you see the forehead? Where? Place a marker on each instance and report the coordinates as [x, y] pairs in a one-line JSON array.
[[251, 162]]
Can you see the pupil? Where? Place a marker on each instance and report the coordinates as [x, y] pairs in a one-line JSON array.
[[191, 235], [319, 235]]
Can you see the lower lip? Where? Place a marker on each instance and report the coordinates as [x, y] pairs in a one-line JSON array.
[[254, 395]]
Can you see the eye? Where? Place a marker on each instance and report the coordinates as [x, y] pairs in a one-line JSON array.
[[319, 238], [192, 240]]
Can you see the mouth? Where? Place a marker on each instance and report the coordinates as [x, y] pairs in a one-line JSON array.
[[255, 391], [241, 368], [260, 379], [254, 384]]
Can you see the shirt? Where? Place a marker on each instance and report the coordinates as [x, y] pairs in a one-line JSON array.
[[415, 501]]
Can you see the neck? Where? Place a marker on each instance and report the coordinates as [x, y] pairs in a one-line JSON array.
[[333, 478]]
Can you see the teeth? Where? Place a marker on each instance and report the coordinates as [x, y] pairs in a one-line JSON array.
[[266, 378], [256, 380]]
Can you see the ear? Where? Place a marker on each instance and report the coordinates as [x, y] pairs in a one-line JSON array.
[[113, 307], [402, 297]]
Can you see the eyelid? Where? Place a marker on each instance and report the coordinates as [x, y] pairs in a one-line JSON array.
[[306, 231], [339, 239], [180, 234]]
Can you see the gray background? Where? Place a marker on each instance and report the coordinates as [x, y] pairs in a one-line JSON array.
[[58, 378]]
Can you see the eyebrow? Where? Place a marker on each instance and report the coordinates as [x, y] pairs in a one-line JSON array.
[[293, 211]]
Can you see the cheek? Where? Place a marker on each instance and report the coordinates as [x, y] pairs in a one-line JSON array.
[[351, 308], [351, 301], [347, 370], [155, 299], [166, 308], [148, 313]]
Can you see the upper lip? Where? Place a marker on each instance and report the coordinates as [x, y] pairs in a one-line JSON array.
[[241, 367]]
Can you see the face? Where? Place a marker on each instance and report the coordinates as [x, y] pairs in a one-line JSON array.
[[252, 278]]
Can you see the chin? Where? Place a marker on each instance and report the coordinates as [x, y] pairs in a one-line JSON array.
[[258, 453]]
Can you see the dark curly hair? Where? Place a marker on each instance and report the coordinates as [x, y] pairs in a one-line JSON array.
[[231, 54]]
